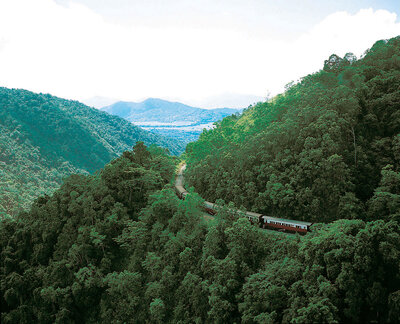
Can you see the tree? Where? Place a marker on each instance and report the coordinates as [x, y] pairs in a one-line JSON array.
[[142, 155]]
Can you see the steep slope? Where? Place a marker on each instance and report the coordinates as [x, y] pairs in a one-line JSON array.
[[325, 149], [45, 138], [162, 111], [120, 247]]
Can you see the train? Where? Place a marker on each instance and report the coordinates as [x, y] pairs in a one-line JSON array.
[[263, 221]]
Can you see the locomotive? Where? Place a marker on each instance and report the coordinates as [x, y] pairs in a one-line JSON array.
[[266, 222]]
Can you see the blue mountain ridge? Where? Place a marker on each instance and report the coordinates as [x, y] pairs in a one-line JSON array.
[[163, 111]]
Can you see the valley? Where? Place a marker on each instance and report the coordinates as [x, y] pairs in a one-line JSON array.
[[172, 119]]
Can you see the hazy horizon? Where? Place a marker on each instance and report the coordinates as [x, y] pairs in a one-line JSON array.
[[234, 101], [205, 54]]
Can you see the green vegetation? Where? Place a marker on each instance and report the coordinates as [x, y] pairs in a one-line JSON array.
[[119, 247], [328, 148], [184, 136], [44, 139]]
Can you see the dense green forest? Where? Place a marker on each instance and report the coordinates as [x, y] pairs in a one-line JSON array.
[[183, 135], [120, 247], [327, 148], [44, 139]]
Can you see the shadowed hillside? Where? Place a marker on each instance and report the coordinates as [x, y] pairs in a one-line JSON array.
[[45, 138]]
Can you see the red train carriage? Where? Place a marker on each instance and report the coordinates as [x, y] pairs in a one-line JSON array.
[[181, 192], [209, 208], [179, 184], [254, 218], [283, 224]]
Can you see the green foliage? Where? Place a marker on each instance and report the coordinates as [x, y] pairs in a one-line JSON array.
[[316, 151], [43, 139], [120, 247], [385, 203]]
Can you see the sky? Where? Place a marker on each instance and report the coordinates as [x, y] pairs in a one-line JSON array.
[[207, 53]]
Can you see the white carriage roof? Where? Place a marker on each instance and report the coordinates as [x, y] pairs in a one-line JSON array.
[[253, 214], [290, 221], [180, 188]]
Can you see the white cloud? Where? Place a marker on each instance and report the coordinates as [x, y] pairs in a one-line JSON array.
[[72, 52], [342, 32]]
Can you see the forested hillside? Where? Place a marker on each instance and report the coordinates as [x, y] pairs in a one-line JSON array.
[[327, 148], [45, 138], [119, 247]]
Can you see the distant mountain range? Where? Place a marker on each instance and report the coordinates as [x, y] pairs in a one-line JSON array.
[[173, 119], [232, 100], [44, 139], [155, 110]]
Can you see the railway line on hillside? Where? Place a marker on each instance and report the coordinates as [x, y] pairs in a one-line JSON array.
[[265, 222]]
